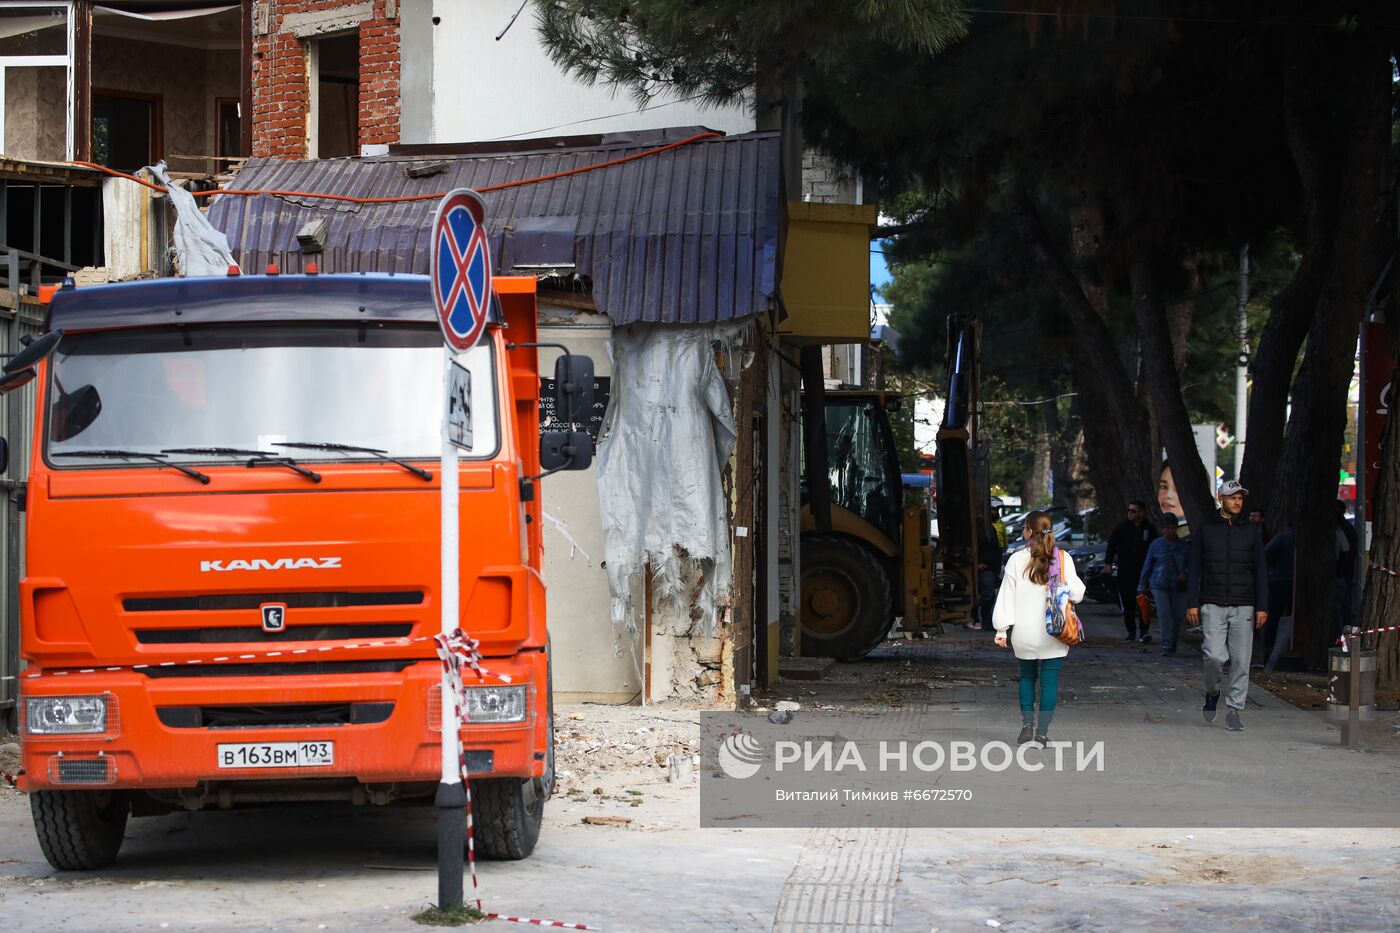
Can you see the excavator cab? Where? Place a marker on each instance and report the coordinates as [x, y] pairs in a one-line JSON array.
[[862, 469], [867, 558]]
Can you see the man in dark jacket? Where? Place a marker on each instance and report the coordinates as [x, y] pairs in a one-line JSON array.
[[1347, 546], [1227, 594], [1128, 547]]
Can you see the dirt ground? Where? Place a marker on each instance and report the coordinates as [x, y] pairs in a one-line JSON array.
[[1308, 689]]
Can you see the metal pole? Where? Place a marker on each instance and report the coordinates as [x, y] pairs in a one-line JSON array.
[[451, 799], [1351, 732], [1242, 363]]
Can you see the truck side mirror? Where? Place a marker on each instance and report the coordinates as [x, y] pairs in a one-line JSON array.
[[17, 380], [75, 411], [573, 388], [34, 351], [566, 450]]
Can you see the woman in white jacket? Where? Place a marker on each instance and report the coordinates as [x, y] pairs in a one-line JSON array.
[[1021, 608]]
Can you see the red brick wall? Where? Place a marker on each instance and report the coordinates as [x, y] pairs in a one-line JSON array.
[[281, 91]]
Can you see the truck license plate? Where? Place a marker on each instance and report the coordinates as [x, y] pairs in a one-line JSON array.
[[277, 755]]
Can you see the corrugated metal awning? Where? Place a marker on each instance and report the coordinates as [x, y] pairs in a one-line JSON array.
[[690, 235]]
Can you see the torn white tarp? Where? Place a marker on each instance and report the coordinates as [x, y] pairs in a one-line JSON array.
[[667, 437], [199, 248]]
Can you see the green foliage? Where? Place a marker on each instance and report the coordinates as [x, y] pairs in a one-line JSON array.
[[1006, 428], [718, 50]]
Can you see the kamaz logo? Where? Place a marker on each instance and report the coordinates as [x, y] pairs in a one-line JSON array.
[[262, 563]]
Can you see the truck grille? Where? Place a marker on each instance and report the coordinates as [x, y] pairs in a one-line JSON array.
[[215, 601], [267, 717], [67, 769], [252, 633], [274, 669]]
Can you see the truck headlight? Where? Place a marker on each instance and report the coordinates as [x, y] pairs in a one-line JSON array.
[[73, 715], [497, 704]]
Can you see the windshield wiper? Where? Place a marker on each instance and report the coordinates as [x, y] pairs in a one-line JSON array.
[[134, 455], [254, 458], [351, 449]]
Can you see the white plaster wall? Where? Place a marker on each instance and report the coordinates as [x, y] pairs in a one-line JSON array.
[[592, 661], [485, 90]]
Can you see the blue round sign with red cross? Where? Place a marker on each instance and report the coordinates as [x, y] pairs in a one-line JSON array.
[[461, 268]]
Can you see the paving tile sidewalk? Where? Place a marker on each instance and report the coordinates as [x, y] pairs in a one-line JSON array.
[[1103, 877]]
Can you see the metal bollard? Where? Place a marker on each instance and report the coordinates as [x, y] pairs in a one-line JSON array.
[[1351, 686]]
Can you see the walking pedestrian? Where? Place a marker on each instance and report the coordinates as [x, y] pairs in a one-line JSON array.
[[1127, 547], [1347, 544], [1164, 575], [1227, 592], [1257, 517], [1278, 557], [1020, 616], [988, 577]]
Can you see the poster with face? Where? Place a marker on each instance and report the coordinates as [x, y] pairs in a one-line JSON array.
[[1167, 499]]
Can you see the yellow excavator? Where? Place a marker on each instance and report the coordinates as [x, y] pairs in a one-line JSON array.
[[867, 559]]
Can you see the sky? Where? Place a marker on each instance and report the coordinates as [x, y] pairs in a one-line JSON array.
[[879, 272]]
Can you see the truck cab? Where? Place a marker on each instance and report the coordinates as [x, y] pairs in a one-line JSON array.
[[233, 557]]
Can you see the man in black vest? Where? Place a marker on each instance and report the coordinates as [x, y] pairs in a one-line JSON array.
[[1227, 592]]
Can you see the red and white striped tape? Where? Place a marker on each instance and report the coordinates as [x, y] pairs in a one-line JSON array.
[[1342, 639], [459, 652], [541, 923], [454, 639]]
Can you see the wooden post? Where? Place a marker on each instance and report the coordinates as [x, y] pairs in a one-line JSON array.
[[646, 636], [82, 83]]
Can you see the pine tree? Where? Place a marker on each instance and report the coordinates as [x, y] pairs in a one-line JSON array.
[[719, 51]]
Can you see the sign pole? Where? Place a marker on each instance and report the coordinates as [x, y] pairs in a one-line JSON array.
[[460, 283], [451, 797]]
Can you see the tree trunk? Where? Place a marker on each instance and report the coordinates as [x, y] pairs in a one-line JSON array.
[[1307, 475], [1115, 425], [1310, 130], [1381, 604], [1061, 480], [1164, 384]]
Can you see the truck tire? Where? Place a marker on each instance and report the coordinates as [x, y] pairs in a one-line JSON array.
[[847, 601], [507, 827], [509, 811], [79, 830]]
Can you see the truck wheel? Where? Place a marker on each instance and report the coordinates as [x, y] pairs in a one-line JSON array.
[[846, 598], [79, 830], [508, 814]]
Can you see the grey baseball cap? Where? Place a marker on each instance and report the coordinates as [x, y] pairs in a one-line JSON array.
[[1230, 488]]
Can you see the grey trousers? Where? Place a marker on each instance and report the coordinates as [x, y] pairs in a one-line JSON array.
[[1229, 633]]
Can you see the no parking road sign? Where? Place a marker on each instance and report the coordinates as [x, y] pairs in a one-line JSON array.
[[461, 268]]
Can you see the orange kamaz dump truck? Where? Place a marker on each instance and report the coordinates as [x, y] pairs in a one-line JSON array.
[[232, 535]]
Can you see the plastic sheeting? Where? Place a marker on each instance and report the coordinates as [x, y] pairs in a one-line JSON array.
[[199, 248], [667, 437]]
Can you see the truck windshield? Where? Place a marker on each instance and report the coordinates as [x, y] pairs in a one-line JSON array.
[[252, 387]]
